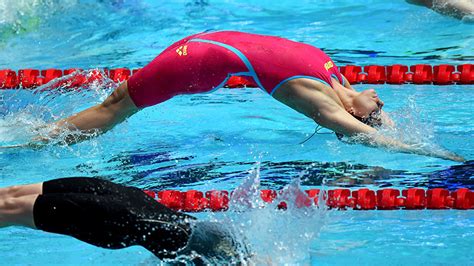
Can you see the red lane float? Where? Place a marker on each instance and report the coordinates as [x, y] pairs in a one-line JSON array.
[[361, 199], [8, 79], [371, 74]]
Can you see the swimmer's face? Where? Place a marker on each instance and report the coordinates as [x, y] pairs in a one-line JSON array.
[[367, 105]]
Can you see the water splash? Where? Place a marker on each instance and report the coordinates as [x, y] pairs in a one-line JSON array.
[[411, 124], [271, 235], [29, 114], [411, 128], [18, 127]]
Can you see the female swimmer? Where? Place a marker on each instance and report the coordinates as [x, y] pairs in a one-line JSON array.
[[296, 74]]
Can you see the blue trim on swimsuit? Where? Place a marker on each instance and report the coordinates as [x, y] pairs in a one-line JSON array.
[[337, 78], [252, 72], [343, 80], [297, 77], [242, 74], [242, 57]]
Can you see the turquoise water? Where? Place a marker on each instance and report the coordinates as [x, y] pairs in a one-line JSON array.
[[212, 141]]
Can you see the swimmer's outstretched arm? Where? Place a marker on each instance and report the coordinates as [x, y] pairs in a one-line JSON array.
[[304, 98], [97, 119]]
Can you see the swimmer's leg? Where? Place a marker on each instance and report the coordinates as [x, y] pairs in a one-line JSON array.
[[105, 221], [100, 118], [86, 185], [20, 191], [118, 221], [16, 201], [114, 221], [17, 211]]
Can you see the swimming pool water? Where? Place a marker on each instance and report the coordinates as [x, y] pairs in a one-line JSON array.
[[211, 141]]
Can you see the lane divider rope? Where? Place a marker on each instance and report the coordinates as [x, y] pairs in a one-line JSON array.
[[361, 199], [372, 74]]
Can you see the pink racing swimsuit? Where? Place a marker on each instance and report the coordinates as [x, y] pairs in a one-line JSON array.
[[204, 62]]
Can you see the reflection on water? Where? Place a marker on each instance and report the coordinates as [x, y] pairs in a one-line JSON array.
[[165, 169], [74, 33]]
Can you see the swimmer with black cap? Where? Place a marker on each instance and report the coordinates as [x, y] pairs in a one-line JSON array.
[[114, 216], [296, 74]]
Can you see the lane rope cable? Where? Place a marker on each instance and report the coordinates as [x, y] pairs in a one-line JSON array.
[[341, 199], [420, 74]]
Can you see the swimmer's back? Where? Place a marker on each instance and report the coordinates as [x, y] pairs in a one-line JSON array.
[[276, 59], [204, 61]]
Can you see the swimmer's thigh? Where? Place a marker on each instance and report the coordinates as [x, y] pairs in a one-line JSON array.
[[85, 185], [113, 221], [194, 67], [97, 220]]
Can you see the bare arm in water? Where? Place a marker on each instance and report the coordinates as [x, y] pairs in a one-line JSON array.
[[454, 8], [100, 118], [308, 98], [301, 96], [305, 96]]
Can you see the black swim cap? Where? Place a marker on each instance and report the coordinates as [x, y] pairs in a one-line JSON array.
[[212, 243]]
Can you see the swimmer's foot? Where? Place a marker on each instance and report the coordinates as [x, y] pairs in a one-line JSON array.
[[212, 243]]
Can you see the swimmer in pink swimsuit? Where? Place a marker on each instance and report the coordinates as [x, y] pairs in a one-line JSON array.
[[204, 62], [296, 74]]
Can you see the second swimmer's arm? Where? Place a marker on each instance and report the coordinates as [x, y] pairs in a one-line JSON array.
[[97, 119]]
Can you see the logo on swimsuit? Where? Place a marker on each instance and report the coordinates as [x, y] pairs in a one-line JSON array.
[[328, 65], [182, 50]]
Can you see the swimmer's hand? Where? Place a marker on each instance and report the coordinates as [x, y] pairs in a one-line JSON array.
[[212, 243], [35, 144], [376, 140], [447, 155], [436, 153]]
